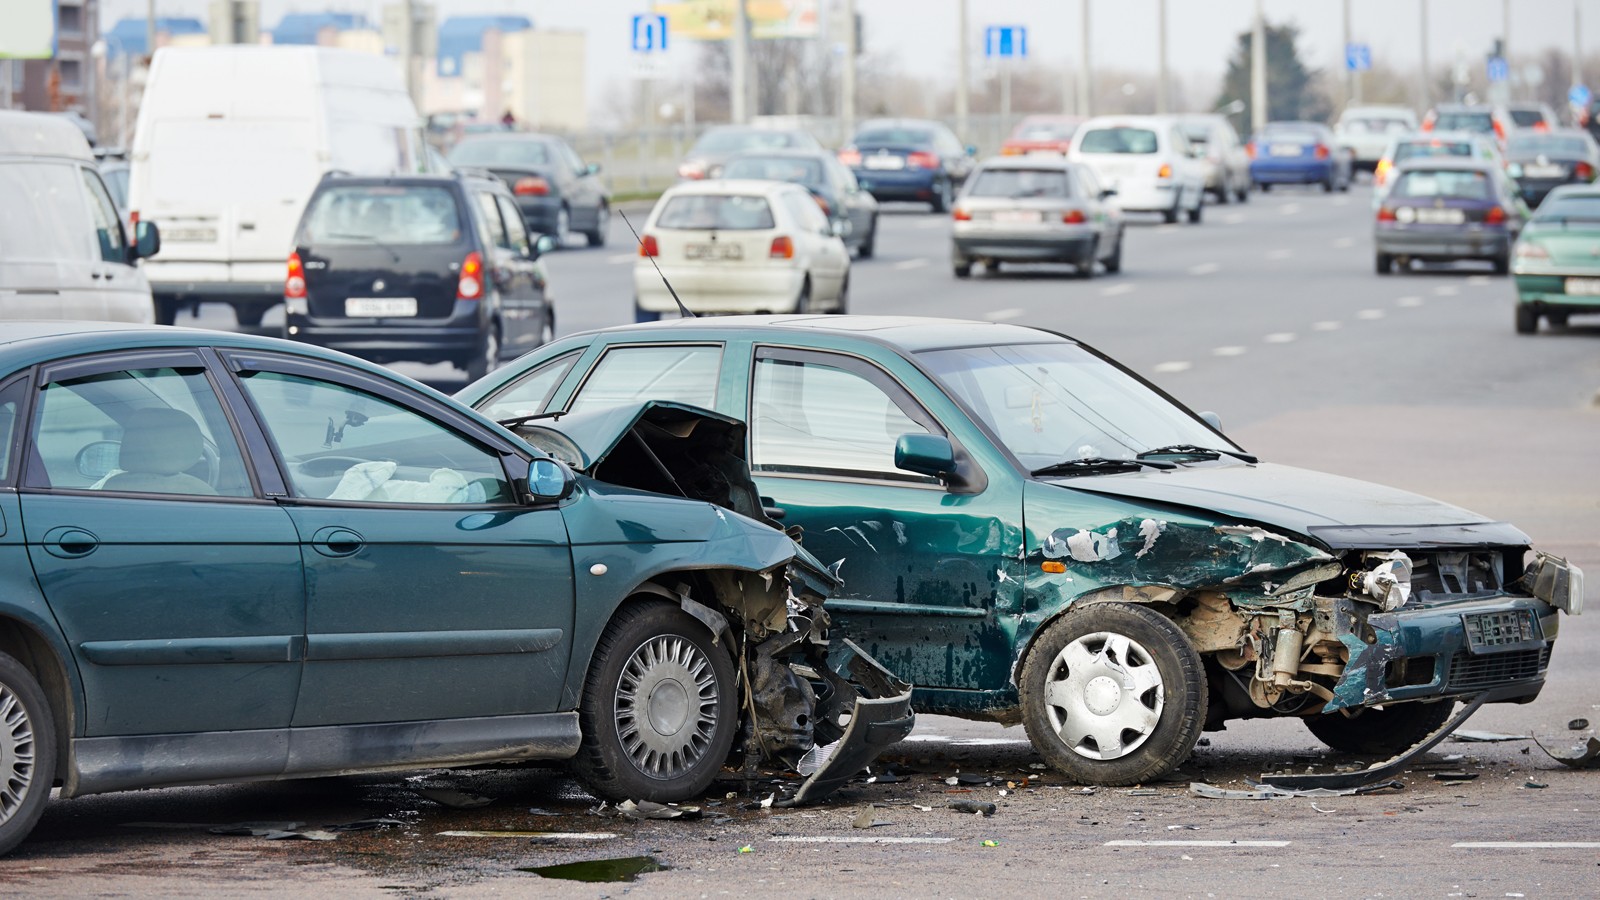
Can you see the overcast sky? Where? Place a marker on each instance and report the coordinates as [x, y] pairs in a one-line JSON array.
[[922, 33]]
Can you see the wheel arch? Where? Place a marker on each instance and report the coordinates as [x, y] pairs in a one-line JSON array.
[[27, 644], [1159, 598]]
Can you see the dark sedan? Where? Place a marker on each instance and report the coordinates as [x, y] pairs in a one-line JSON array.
[[722, 143], [851, 210], [909, 159], [556, 190], [1444, 209], [1540, 162]]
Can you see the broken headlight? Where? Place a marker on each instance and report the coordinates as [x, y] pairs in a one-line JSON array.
[[1385, 578], [1556, 582]]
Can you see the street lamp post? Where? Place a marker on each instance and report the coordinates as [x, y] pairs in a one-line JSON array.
[[1258, 71]]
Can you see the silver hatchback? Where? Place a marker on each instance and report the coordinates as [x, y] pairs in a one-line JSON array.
[[1038, 210]]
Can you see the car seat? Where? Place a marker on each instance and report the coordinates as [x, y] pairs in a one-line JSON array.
[[158, 444]]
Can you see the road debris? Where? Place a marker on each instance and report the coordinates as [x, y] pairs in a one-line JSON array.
[[624, 868], [975, 807], [453, 798], [1454, 775], [1381, 771], [1579, 752], [255, 829], [867, 818], [1485, 737], [535, 835], [1577, 724], [647, 809], [991, 843], [1274, 792]]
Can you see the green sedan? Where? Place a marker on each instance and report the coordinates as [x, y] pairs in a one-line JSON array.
[[1030, 533], [1557, 259]]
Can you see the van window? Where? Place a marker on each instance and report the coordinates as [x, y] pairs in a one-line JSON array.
[[42, 213], [107, 225], [389, 214]]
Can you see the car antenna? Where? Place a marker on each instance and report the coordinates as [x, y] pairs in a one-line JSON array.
[[687, 313]]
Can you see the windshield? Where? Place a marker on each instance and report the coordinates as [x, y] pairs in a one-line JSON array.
[[1422, 149], [1527, 118], [356, 214], [1020, 183], [777, 168], [720, 212], [502, 153], [743, 141], [1444, 183], [1547, 145], [1569, 209], [1052, 402], [1464, 121], [1118, 140]]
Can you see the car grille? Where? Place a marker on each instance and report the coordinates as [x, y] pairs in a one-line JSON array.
[[1468, 672]]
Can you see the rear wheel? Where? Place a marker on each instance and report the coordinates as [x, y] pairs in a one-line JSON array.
[[870, 244], [1198, 211], [249, 316], [1384, 732], [166, 311], [1224, 192], [484, 359], [1527, 318], [602, 223], [843, 305], [1328, 186], [942, 197], [1170, 216], [1384, 263], [1113, 262], [563, 225], [1266, 187], [547, 331], [802, 303], [1502, 264], [1243, 194], [27, 752]]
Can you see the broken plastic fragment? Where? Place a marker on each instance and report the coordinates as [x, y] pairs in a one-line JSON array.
[[991, 843], [1149, 529], [975, 807], [1577, 751], [747, 849], [815, 758], [453, 798]]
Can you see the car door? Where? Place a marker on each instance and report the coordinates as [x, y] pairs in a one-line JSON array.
[[856, 201], [123, 291], [830, 261], [525, 308], [508, 270], [582, 188], [177, 584], [431, 593]]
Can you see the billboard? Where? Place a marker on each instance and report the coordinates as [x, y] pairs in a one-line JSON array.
[[712, 20], [30, 30]]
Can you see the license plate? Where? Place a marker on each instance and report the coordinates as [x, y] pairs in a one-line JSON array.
[[1500, 629], [1548, 171], [885, 162], [1583, 287], [1016, 216], [1285, 149], [190, 235], [713, 251], [1440, 216], [380, 307]]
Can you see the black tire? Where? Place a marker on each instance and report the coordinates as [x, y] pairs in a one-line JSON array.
[[166, 311], [1113, 263], [1170, 216], [943, 198], [961, 269], [1161, 714], [666, 651], [1527, 318], [1502, 264], [1556, 319], [802, 303], [1266, 187], [1198, 211], [1384, 263], [1223, 192], [27, 752], [487, 355], [602, 223], [844, 298], [547, 332], [1084, 268], [870, 245], [249, 316], [1327, 186], [1244, 193], [1380, 732]]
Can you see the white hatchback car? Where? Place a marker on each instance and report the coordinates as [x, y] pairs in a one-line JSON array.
[[1147, 160], [739, 247]]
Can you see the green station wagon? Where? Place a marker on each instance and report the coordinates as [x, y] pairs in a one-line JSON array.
[[1030, 532], [227, 558], [1557, 259]]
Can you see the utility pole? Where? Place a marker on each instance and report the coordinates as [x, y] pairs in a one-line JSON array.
[[1085, 88], [150, 28], [1258, 71], [738, 105], [1161, 43], [963, 77], [1577, 45], [408, 46], [1352, 78], [847, 77], [1427, 73]]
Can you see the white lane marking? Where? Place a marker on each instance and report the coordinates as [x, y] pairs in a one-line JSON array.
[[908, 264], [1280, 337], [1001, 315], [924, 737], [1176, 365], [1409, 301], [1204, 269], [1477, 280], [1233, 219], [545, 835], [1344, 242], [1341, 201], [1447, 290], [1117, 290], [852, 839], [936, 222], [1526, 845], [617, 259], [1370, 314], [1289, 209], [1326, 325], [1280, 254], [1195, 844], [1229, 351]]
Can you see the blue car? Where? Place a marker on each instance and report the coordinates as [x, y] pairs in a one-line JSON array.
[[1298, 153], [919, 160]]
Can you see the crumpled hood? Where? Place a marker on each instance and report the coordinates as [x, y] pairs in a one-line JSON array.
[[1337, 511]]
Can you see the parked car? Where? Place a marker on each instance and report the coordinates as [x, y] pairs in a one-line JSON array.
[[422, 268], [1476, 118], [1556, 269], [1041, 134], [1031, 532], [1533, 116], [1147, 160], [722, 142], [1227, 165], [65, 251], [1298, 153], [556, 190], [1458, 144], [232, 558], [1035, 209], [1540, 161], [739, 246], [1443, 210], [919, 160], [851, 209], [1367, 131]]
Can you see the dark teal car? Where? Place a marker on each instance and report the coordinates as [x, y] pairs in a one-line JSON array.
[[1031, 533], [226, 558]]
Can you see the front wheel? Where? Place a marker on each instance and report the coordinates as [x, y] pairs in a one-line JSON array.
[[1380, 732], [27, 752], [1502, 264], [602, 224], [1113, 693], [1198, 211], [659, 709]]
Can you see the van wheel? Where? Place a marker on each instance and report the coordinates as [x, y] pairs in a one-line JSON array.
[[1113, 693], [27, 752], [487, 356], [1380, 732]]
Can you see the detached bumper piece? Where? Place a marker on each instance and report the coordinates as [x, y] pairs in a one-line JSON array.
[[880, 715], [1376, 772]]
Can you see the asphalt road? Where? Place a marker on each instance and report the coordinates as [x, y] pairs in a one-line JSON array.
[[1269, 314]]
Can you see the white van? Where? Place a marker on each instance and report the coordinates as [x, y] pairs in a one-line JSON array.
[[231, 141], [63, 251]]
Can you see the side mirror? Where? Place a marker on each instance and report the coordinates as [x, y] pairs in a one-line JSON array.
[[543, 245], [972, 149], [1107, 193], [925, 454], [549, 481], [838, 228], [1212, 419], [146, 240], [591, 168]]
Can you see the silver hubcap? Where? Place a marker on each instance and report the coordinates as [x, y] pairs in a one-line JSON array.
[[1103, 695], [667, 706], [16, 753]]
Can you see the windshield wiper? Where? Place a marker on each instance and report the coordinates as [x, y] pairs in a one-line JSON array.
[[1094, 465], [1193, 450], [523, 420]]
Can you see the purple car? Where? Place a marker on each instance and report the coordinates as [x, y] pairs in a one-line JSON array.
[[1443, 209]]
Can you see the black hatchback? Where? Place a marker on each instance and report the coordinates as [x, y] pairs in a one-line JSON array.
[[417, 268]]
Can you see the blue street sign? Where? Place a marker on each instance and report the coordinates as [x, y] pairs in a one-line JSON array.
[[1498, 69], [1357, 57], [1005, 41], [649, 34], [1578, 95]]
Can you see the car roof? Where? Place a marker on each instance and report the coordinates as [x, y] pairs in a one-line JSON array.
[[1387, 110], [1462, 163], [1426, 137], [1464, 107], [909, 334], [731, 186], [37, 134], [887, 123]]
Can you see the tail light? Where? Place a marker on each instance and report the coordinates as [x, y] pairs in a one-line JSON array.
[[1427, 124], [1010, 150], [850, 157], [647, 246], [1499, 129], [822, 204], [1074, 217], [1386, 214], [782, 248], [1322, 151], [694, 170], [921, 160], [1584, 170], [1250, 149], [532, 186], [294, 284], [1165, 171], [1526, 250], [961, 215], [1495, 216], [1541, 125], [470, 285]]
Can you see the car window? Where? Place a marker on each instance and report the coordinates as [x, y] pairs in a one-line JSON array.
[[107, 224], [893, 136], [1571, 208], [1197, 132], [1087, 182], [57, 226], [571, 158], [527, 395], [149, 431], [117, 183], [741, 140], [386, 214], [516, 229], [10, 406], [1526, 118], [799, 170], [1016, 183], [1031, 130], [496, 230], [686, 374], [340, 443], [723, 212], [1118, 140], [501, 153], [812, 418], [1549, 144], [807, 214], [1464, 121], [842, 175], [1290, 135], [1455, 185]]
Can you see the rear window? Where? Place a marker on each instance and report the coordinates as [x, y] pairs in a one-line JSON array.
[[881, 137], [1526, 118], [1547, 144], [1043, 131], [384, 214], [1569, 209], [1197, 133], [723, 212], [726, 142], [1374, 126], [1441, 184], [1118, 140], [1289, 136], [1464, 121], [1020, 183], [1425, 149], [502, 153], [777, 168]]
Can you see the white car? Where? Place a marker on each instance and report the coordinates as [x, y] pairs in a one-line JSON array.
[[739, 247], [1367, 131], [1147, 160]]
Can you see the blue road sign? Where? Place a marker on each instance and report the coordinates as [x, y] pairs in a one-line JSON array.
[[1357, 57], [1005, 41], [1579, 95], [1499, 70], [649, 34]]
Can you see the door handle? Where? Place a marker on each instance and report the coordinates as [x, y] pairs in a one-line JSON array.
[[69, 542], [336, 541]]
